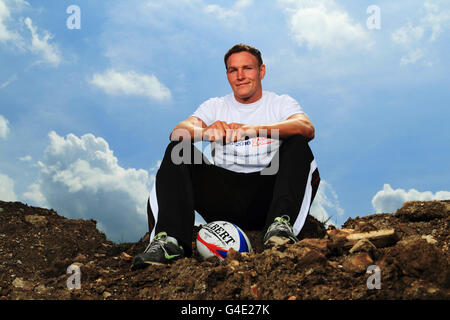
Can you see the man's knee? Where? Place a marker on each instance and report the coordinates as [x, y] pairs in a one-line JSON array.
[[296, 139], [296, 144], [294, 148]]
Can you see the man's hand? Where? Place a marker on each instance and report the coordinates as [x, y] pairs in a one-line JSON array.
[[216, 132], [220, 131], [241, 131]]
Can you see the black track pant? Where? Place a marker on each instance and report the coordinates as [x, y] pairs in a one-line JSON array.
[[249, 200]]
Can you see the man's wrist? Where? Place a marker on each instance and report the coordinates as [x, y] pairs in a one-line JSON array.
[[260, 130]]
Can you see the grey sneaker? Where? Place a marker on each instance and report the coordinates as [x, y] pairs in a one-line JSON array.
[[159, 251], [279, 232]]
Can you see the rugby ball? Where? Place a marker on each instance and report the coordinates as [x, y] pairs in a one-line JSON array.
[[216, 238]]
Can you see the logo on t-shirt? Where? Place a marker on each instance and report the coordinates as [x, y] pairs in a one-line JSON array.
[[241, 143], [256, 142]]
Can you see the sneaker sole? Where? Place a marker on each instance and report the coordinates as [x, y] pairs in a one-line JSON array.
[[145, 264], [155, 263], [161, 263], [277, 241]]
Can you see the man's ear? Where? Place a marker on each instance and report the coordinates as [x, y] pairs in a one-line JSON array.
[[262, 71]]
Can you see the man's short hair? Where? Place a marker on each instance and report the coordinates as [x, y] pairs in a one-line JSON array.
[[243, 47]]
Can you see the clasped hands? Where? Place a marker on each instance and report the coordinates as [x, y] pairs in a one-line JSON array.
[[220, 131]]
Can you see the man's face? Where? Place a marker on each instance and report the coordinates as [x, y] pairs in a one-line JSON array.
[[244, 76]]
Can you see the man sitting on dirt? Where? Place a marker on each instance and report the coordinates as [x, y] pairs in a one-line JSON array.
[[264, 174]]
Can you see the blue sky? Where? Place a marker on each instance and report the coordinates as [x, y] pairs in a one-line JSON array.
[[85, 113]]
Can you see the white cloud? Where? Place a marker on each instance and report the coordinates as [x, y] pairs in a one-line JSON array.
[[415, 37], [4, 127], [6, 35], [223, 13], [49, 52], [322, 24], [9, 81], [81, 178], [412, 57], [7, 188], [131, 83], [408, 34], [34, 196], [325, 206], [436, 19], [389, 200], [27, 158]]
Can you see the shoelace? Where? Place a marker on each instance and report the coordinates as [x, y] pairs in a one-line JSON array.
[[157, 242], [281, 223]]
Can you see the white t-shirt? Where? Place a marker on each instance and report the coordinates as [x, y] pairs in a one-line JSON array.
[[254, 154]]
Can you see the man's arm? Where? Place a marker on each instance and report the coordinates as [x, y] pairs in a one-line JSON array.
[[190, 128], [194, 128], [296, 124]]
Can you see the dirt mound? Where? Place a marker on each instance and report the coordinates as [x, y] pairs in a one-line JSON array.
[[403, 255]]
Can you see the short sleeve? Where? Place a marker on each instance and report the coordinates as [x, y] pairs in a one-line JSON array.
[[288, 107], [206, 111]]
